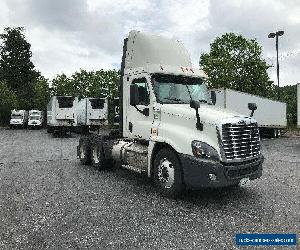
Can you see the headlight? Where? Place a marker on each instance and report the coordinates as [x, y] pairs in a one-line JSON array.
[[203, 150]]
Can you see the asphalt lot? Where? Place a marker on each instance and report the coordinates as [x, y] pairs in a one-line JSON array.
[[49, 200]]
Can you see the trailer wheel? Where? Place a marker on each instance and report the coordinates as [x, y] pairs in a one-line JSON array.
[[168, 173], [97, 155], [84, 150]]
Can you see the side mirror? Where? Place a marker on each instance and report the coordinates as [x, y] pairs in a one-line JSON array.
[[134, 95], [213, 97], [252, 107], [194, 104]]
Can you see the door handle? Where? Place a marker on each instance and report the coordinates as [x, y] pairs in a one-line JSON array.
[[130, 125]]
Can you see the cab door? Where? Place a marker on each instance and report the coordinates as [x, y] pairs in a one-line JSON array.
[[140, 118]]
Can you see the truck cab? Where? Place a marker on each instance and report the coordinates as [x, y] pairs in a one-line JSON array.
[[169, 127], [35, 119], [18, 118]]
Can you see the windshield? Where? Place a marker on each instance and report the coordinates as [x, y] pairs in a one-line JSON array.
[[65, 102], [34, 117], [180, 89], [97, 103], [16, 117]]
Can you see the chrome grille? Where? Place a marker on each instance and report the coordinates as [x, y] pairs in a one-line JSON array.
[[240, 141]]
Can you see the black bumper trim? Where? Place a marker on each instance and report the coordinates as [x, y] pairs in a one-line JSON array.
[[196, 172]]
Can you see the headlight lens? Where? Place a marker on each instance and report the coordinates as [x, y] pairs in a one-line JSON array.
[[203, 150]]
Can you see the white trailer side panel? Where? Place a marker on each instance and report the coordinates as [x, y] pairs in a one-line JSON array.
[[269, 113], [298, 105]]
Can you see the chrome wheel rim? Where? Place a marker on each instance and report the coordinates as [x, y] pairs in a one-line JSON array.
[[95, 155], [82, 152], [166, 173]]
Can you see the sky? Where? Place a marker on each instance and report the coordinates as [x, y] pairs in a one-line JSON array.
[[68, 35]]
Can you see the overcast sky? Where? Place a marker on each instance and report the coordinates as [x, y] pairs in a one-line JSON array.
[[67, 35]]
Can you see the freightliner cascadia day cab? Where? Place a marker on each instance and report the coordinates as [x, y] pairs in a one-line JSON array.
[[270, 115], [61, 113], [35, 119], [169, 128], [298, 105], [18, 118], [91, 113]]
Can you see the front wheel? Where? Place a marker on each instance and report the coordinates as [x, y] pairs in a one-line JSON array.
[[168, 173]]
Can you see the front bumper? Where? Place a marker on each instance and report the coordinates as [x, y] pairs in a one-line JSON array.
[[196, 172]]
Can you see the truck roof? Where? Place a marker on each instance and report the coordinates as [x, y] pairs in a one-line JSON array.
[[156, 54]]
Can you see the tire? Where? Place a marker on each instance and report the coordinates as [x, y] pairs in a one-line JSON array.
[[97, 155], [49, 129], [84, 150], [168, 174]]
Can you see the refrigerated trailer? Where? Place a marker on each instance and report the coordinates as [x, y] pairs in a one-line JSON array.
[[18, 118], [298, 105], [91, 113], [61, 113], [35, 119], [165, 132], [270, 115]]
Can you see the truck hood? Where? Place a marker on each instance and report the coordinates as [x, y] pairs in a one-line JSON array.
[[208, 113]]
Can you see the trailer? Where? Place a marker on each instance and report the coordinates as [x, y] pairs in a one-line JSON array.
[[61, 113], [270, 115], [169, 128], [18, 118], [91, 113], [35, 119], [298, 105]]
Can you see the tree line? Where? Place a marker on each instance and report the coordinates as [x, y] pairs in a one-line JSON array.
[[232, 62]]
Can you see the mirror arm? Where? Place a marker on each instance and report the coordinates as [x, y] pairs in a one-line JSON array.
[[141, 111], [199, 125]]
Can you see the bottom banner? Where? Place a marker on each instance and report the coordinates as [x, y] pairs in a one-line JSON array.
[[266, 239]]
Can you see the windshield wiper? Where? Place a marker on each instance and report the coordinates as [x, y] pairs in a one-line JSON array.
[[175, 99]]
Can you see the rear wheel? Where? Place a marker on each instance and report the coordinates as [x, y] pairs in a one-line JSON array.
[[97, 155], [49, 129], [168, 173], [84, 150]]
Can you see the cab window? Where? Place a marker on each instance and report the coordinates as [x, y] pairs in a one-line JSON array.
[[144, 98]]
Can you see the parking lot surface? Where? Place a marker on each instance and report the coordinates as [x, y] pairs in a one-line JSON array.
[[49, 200]]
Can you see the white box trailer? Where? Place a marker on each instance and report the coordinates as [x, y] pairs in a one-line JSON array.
[[18, 118], [298, 105], [61, 113], [270, 115], [35, 119], [91, 113]]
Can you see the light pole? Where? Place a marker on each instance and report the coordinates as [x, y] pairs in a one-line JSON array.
[[276, 35]]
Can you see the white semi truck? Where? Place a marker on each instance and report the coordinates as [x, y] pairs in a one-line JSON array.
[[91, 113], [36, 119], [270, 115], [61, 113], [169, 128], [18, 118], [298, 105]]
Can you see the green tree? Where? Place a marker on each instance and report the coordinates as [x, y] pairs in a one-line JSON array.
[[62, 85], [16, 67], [236, 62], [8, 101], [288, 94], [41, 93]]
